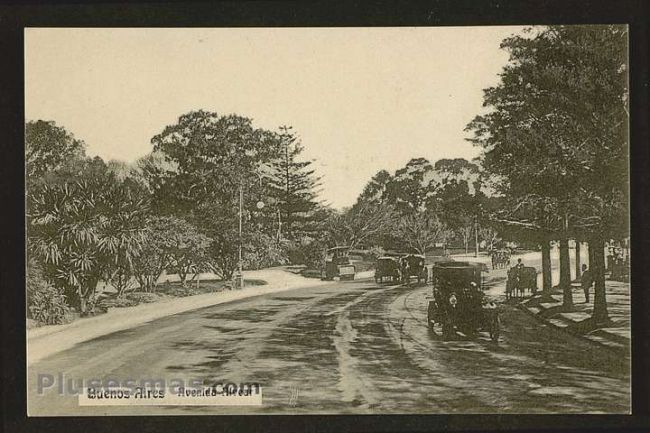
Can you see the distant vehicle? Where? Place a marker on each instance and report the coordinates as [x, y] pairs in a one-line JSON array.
[[387, 268], [337, 264], [416, 268], [500, 258], [459, 303], [520, 280]]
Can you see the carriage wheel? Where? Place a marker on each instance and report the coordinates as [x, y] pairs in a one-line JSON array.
[[469, 331], [447, 330], [431, 325]]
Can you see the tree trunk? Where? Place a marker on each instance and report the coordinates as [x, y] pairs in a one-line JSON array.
[[546, 270], [600, 314], [476, 237], [183, 277], [565, 274], [142, 282], [82, 302], [577, 260]]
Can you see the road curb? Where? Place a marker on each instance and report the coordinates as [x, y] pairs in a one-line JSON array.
[[620, 349]]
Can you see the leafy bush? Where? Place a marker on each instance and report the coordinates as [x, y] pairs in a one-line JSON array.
[[307, 251], [315, 254], [45, 304], [295, 254], [142, 297], [120, 301], [129, 300], [181, 292], [265, 251]]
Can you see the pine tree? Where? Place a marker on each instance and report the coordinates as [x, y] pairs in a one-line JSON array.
[[293, 185]]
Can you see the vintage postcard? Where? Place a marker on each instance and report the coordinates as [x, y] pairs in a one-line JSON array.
[[360, 220]]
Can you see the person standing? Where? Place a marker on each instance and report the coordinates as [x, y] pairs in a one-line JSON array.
[[586, 281], [406, 271]]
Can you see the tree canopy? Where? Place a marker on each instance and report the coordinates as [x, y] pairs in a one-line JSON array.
[[48, 147], [556, 125]]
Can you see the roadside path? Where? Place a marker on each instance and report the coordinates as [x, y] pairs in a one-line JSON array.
[[615, 336]]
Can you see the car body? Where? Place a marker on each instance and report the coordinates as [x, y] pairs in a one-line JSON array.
[[387, 268], [337, 264], [458, 301]]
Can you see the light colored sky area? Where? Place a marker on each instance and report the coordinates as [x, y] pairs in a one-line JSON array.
[[361, 99]]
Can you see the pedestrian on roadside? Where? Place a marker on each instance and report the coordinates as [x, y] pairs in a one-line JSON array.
[[586, 281], [406, 271]]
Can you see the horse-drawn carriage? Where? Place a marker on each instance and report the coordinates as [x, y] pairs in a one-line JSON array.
[[337, 264], [413, 265], [500, 258], [458, 302], [521, 279], [387, 268]]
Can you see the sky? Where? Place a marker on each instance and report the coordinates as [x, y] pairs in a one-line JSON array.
[[361, 99]]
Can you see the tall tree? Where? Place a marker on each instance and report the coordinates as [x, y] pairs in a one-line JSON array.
[[375, 189], [556, 132], [208, 160], [292, 183], [422, 231], [411, 186], [362, 224], [490, 236], [48, 147]]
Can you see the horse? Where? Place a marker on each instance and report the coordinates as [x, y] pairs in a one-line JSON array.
[[500, 258], [520, 280]]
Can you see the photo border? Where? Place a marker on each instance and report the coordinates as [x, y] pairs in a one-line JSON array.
[[14, 18]]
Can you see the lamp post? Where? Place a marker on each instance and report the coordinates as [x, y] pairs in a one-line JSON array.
[[239, 278]]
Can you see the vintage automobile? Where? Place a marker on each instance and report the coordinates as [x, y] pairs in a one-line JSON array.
[[387, 268], [337, 264], [458, 302], [521, 279], [413, 265]]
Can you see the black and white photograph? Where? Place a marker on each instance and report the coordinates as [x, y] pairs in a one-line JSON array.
[[327, 220]]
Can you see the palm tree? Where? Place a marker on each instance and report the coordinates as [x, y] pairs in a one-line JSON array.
[[84, 231]]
